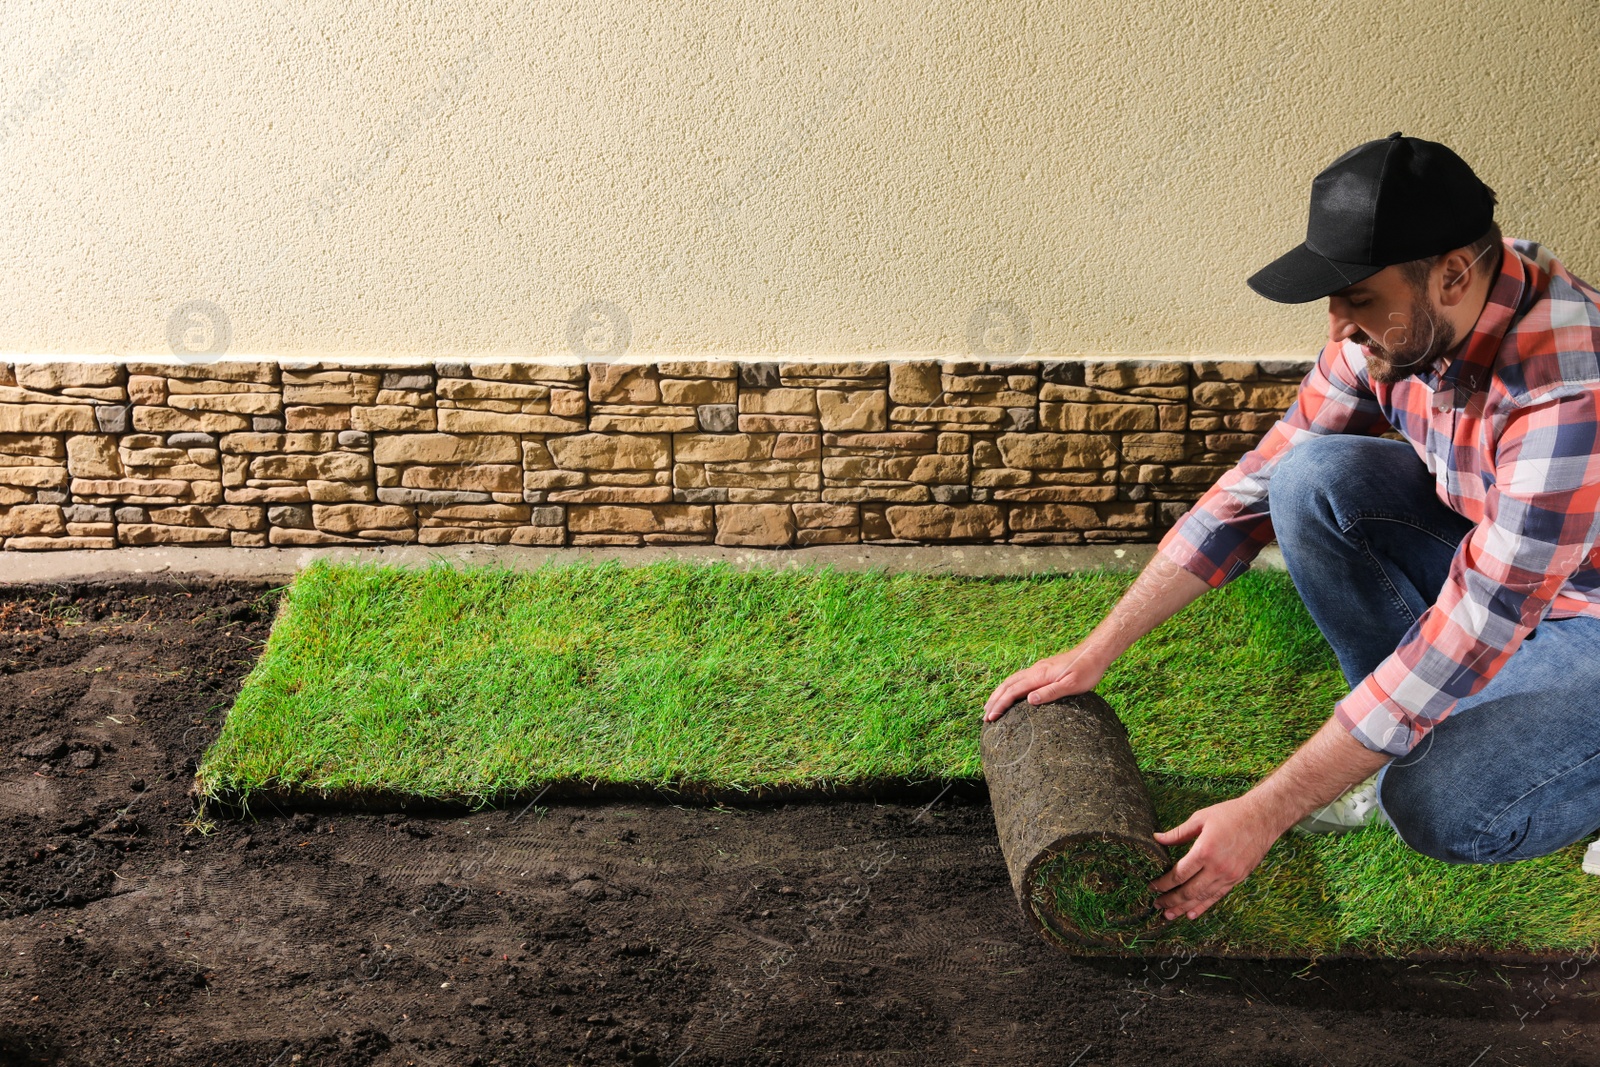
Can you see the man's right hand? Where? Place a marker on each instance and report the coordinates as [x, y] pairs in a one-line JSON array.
[[1074, 671]]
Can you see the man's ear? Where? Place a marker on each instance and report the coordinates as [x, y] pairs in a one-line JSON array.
[[1455, 280]]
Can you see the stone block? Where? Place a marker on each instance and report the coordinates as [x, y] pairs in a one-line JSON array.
[[778, 424], [954, 444], [317, 417], [340, 492], [946, 522], [1057, 493], [61, 544], [1135, 517], [221, 516], [608, 422], [154, 534], [861, 410], [759, 376], [699, 391], [761, 525], [238, 403], [34, 445], [1127, 373], [1223, 370], [111, 418], [718, 418], [797, 446], [409, 381], [949, 417], [400, 495], [610, 452], [915, 384], [48, 418], [1153, 447], [699, 369], [613, 494], [34, 476], [623, 383], [94, 456], [722, 448], [53, 376], [1063, 418], [880, 493], [1230, 442], [1064, 372], [353, 518], [32, 520], [461, 420], [822, 516], [1247, 421], [443, 448], [675, 518], [393, 417], [827, 536], [484, 477], [262, 371], [134, 490], [1056, 451], [779, 401], [1196, 475], [328, 466], [880, 444], [284, 535], [146, 390], [330, 387], [570, 403], [1286, 368], [540, 481], [860, 370]]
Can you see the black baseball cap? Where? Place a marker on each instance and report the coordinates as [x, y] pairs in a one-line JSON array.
[[1383, 202]]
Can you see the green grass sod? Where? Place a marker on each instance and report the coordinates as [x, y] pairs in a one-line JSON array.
[[483, 684]]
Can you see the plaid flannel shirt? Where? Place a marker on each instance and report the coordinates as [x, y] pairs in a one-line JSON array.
[[1509, 431]]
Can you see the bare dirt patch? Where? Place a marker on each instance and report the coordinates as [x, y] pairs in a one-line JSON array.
[[617, 932]]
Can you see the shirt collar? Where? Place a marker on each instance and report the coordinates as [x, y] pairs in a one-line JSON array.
[[1469, 370]]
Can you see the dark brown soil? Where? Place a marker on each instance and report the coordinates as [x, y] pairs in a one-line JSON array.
[[637, 932]]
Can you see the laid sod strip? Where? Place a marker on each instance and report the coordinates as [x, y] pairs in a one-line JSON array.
[[483, 685]]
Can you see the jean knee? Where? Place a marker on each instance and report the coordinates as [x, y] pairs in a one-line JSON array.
[[1427, 817]]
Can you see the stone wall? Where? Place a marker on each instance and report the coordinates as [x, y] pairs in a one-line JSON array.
[[99, 455]]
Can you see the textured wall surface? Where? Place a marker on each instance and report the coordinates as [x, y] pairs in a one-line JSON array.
[[772, 454], [883, 178]]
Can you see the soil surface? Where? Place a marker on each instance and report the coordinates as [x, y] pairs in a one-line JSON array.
[[613, 933]]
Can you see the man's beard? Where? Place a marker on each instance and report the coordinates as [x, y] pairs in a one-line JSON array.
[[1420, 344]]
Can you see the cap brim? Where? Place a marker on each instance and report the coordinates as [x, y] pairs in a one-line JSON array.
[[1300, 275]]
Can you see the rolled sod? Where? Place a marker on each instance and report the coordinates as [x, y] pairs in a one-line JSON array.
[[1075, 822]]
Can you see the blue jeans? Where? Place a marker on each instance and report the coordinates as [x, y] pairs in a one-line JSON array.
[[1513, 772]]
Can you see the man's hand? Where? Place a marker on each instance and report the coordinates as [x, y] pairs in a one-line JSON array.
[[1230, 840], [1072, 671]]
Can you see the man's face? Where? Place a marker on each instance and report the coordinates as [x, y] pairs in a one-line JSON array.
[[1401, 330]]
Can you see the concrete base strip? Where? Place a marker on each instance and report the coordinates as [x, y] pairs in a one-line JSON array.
[[176, 561]]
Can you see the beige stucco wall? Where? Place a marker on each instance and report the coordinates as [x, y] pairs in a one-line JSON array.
[[801, 179]]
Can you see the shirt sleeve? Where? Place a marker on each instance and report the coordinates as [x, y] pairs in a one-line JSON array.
[[1228, 526], [1539, 525]]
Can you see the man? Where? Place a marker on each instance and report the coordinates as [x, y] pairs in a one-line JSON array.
[[1460, 590]]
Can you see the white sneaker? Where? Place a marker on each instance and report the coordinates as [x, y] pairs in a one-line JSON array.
[[1355, 809], [1591, 857]]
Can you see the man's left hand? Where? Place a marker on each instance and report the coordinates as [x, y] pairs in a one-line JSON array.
[[1230, 840]]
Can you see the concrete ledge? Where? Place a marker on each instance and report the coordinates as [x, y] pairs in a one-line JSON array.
[[171, 561]]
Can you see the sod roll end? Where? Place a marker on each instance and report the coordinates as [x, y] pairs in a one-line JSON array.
[[1075, 822]]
